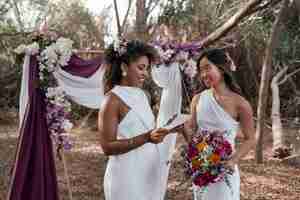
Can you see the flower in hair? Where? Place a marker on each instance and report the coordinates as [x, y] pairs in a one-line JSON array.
[[120, 45], [232, 64]]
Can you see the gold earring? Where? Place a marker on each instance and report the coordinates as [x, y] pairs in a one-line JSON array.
[[124, 73]]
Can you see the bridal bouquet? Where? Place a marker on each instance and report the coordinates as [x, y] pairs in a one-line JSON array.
[[203, 158]]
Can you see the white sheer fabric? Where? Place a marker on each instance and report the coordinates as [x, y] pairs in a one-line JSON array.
[[169, 79], [24, 92], [88, 92]]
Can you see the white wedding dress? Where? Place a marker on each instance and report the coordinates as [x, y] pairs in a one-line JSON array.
[[135, 175], [211, 116]]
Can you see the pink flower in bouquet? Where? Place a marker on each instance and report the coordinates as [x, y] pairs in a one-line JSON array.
[[192, 152], [204, 155]]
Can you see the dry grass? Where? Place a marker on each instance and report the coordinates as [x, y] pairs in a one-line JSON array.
[[269, 181]]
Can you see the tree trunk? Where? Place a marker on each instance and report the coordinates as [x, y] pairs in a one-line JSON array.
[[251, 65], [141, 19], [277, 131], [297, 5], [265, 81]]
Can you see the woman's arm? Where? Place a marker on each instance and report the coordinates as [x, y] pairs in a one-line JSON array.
[[190, 126], [247, 128], [108, 122]]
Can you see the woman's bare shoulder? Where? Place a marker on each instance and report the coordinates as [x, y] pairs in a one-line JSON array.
[[110, 102], [242, 103]]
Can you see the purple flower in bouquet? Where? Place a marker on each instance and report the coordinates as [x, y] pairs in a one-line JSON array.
[[204, 156], [192, 151]]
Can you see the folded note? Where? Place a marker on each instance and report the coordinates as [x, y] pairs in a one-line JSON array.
[[178, 121]]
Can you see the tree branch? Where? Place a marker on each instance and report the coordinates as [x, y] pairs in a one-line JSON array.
[[9, 34], [219, 8], [17, 13], [279, 75], [149, 9], [249, 9], [118, 18], [271, 3], [4, 8], [126, 16], [286, 77]]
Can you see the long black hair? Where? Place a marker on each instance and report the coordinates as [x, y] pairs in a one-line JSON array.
[[219, 58], [133, 50]]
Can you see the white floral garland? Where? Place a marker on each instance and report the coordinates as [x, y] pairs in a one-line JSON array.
[[55, 56], [187, 63], [31, 49], [51, 59]]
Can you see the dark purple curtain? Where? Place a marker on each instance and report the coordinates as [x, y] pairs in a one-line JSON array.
[[83, 68], [34, 175], [34, 172]]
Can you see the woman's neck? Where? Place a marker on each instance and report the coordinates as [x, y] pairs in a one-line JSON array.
[[126, 83], [221, 89]]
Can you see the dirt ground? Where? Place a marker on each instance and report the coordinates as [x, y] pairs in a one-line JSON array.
[[272, 180]]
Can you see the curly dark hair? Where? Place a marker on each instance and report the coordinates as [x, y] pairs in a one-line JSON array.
[[134, 50], [219, 58]]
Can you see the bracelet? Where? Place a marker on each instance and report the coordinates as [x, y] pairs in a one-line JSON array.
[[131, 142], [148, 139]]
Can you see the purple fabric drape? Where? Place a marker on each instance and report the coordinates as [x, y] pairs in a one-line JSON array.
[[34, 173], [83, 68]]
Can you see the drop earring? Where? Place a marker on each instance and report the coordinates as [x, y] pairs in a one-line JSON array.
[[124, 73]]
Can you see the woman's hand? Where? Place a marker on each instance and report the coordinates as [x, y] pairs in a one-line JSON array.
[[177, 129], [230, 164], [157, 135]]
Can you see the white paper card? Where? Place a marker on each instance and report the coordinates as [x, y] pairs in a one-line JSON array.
[[179, 120]]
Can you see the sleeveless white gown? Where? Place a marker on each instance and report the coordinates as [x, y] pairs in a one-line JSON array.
[[211, 116], [135, 175]]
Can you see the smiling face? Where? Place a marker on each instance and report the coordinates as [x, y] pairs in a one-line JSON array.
[[210, 74], [137, 72]]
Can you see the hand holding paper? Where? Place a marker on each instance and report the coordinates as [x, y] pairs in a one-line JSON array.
[[176, 122]]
